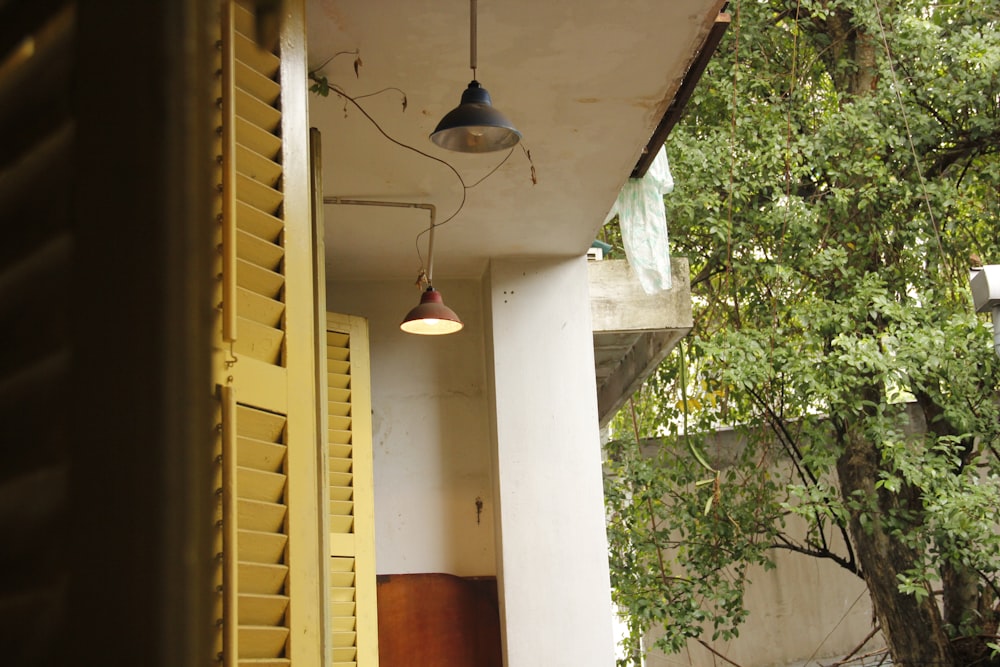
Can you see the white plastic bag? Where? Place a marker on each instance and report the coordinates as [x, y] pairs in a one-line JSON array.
[[644, 224]]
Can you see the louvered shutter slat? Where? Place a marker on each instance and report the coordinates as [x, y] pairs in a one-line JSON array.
[[263, 516], [339, 423], [259, 341], [262, 609], [339, 408], [343, 654], [258, 251], [260, 224], [340, 437], [341, 494], [260, 425], [257, 194], [256, 166], [260, 485], [259, 308], [248, 52], [260, 547], [341, 450], [341, 507], [260, 114], [262, 578], [258, 279], [257, 139], [260, 86], [266, 456], [259, 641]]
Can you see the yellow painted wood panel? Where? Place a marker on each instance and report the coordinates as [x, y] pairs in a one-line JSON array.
[[341, 493], [305, 493], [259, 547], [342, 654], [258, 279], [338, 380], [338, 464], [266, 456], [342, 544], [262, 578], [262, 386], [251, 163], [260, 114], [257, 194], [257, 641], [263, 516], [339, 338], [259, 485], [342, 593], [343, 623], [342, 450], [339, 437], [343, 639], [259, 308], [344, 608], [243, 17], [342, 580], [341, 479], [262, 609], [337, 352], [265, 89], [262, 61], [339, 423], [257, 222], [339, 408], [339, 366], [341, 507], [351, 494], [259, 342], [258, 139], [259, 251]]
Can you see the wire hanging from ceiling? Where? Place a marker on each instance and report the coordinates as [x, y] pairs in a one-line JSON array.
[[323, 87]]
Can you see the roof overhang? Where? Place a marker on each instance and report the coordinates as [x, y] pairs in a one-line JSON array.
[[587, 83]]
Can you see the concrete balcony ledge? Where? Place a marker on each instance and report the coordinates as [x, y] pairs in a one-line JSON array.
[[633, 331]]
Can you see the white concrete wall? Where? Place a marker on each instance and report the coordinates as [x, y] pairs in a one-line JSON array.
[[805, 610], [432, 448], [553, 570]]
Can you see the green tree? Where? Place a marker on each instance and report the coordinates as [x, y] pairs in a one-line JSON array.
[[837, 172]]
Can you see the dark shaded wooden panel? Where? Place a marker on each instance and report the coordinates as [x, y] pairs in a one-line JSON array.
[[438, 620]]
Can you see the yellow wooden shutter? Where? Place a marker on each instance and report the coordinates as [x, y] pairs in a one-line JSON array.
[[270, 606], [37, 59], [351, 488]]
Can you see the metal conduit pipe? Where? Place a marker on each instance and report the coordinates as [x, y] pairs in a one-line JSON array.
[[430, 208]]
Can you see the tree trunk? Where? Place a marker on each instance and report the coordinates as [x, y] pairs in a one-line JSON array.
[[912, 627]]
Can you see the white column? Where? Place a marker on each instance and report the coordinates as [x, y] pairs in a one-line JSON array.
[[552, 546]]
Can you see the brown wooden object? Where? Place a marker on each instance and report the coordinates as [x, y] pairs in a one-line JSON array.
[[438, 620]]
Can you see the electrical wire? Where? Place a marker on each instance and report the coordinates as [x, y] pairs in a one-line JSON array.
[[465, 187]]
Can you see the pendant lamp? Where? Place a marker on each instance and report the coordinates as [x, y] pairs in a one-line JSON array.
[[475, 125], [431, 317]]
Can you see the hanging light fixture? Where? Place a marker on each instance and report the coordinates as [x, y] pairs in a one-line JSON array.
[[475, 126], [431, 317]]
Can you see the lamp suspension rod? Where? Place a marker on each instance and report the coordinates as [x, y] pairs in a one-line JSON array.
[[472, 37], [430, 208]]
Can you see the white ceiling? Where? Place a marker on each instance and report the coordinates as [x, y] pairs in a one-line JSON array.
[[584, 81]]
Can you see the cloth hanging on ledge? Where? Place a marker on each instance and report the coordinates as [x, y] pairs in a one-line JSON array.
[[643, 220]]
